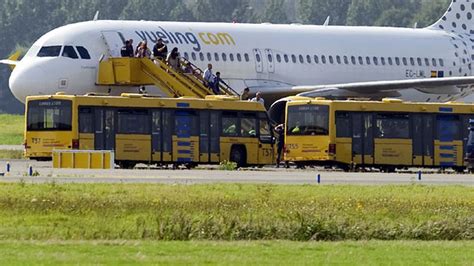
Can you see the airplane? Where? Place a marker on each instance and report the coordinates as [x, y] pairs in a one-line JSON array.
[[418, 64]]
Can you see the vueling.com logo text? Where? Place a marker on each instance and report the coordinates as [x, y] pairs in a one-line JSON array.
[[207, 38]]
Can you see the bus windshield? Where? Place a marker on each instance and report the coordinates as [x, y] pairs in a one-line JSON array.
[[308, 120], [49, 115]]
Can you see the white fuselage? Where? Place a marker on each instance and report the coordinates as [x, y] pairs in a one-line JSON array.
[[272, 57]]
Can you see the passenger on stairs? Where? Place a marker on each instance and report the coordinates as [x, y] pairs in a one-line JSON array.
[[245, 96], [208, 76], [173, 59], [127, 49], [160, 50], [143, 51]]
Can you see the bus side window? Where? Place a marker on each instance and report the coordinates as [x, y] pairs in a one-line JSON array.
[[248, 125], [264, 129], [230, 124], [133, 122], [393, 126], [86, 120], [343, 125]]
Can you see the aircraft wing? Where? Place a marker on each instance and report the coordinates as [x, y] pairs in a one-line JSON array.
[[450, 85]]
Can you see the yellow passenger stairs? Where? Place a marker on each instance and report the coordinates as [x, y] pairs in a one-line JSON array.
[[143, 71]]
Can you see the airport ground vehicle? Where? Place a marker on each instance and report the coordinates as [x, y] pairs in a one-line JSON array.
[[470, 148], [150, 130], [387, 134]]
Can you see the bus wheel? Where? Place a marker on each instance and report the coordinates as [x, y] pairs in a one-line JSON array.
[[126, 164], [237, 155]]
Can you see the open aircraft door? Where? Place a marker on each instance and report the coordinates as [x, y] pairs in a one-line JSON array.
[[258, 60], [114, 41], [270, 60]]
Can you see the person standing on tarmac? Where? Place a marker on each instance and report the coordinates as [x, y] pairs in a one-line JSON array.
[[280, 130]]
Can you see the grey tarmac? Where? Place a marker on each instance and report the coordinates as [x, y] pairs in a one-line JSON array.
[[269, 175]]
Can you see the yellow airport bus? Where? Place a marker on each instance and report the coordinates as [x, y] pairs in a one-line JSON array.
[[387, 134], [150, 130]]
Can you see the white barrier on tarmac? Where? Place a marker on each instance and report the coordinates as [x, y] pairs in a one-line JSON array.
[[83, 159]]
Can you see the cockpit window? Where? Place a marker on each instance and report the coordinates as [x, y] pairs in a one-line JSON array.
[[49, 51], [70, 52], [83, 52]]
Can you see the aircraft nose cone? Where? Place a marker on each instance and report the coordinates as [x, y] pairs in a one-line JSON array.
[[25, 82]]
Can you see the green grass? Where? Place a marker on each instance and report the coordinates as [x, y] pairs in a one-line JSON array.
[[234, 212], [12, 129], [237, 253], [8, 154]]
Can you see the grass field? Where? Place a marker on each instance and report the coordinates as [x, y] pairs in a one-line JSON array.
[[8, 154], [241, 253], [12, 129], [234, 212]]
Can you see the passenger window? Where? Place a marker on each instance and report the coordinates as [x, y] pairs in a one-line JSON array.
[[239, 57], [216, 56], [231, 57], [382, 60], [308, 59], [186, 55], [376, 61], [353, 60], [224, 57], [412, 61], [193, 55], [133, 122], [331, 59], [361, 61], [201, 56], [209, 57], [323, 59], [86, 120], [390, 61], [264, 129], [338, 60], [427, 62], [301, 59], [249, 127], [346, 60], [343, 129], [434, 62], [392, 126], [83, 52], [418, 60], [286, 58], [230, 124], [316, 59], [70, 52], [293, 58], [270, 58], [49, 51], [367, 60], [257, 56], [397, 60], [441, 62], [278, 58], [405, 61], [247, 58]]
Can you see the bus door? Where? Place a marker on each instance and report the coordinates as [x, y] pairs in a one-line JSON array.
[[448, 147], [258, 60], [209, 138], [362, 138], [186, 137], [266, 153], [156, 136], [104, 134], [423, 140], [270, 60]]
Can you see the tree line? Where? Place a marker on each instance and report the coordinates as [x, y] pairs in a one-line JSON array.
[[24, 21]]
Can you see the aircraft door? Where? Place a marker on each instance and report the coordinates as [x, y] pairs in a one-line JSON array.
[[114, 41], [258, 60], [270, 60]]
